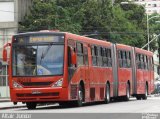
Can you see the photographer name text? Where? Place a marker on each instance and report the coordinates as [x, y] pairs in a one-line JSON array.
[[16, 116]]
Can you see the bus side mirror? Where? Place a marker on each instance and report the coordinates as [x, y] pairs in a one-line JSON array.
[[4, 55], [73, 57], [5, 51]]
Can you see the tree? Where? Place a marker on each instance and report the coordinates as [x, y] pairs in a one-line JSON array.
[[116, 23], [70, 15], [42, 16], [137, 19], [97, 16]]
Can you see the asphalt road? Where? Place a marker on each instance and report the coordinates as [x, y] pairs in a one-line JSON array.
[[151, 105]]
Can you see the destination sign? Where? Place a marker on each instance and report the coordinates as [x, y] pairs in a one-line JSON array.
[[38, 39], [34, 39]]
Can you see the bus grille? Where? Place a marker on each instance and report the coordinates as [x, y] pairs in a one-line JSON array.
[[35, 84], [36, 95]]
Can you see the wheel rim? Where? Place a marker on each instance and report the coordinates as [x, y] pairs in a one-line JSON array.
[[80, 95], [108, 94], [146, 93], [128, 94]]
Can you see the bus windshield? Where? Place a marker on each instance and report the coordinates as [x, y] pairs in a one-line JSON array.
[[37, 60]]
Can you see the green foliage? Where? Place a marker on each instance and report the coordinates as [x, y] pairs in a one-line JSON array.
[[118, 23], [42, 17]]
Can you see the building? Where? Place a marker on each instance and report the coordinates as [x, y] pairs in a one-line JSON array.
[[152, 6], [156, 64], [11, 12]]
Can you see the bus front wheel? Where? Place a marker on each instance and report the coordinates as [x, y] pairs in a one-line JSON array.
[[31, 105], [80, 100], [127, 97], [144, 96]]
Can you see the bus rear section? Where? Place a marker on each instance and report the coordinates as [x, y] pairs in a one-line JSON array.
[[144, 73], [37, 68]]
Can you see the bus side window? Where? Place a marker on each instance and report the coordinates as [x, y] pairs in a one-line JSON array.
[[100, 55], [125, 60], [128, 59], [104, 57], [94, 55], [109, 58], [141, 59], [85, 55], [138, 61], [120, 58], [69, 56], [145, 62], [80, 55], [152, 65], [142, 62]]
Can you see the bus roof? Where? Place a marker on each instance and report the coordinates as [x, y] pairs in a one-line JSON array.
[[89, 40], [36, 33], [122, 46], [142, 51], [84, 39]]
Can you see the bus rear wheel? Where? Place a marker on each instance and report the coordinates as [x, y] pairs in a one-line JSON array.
[[138, 97], [144, 96], [107, 94], [127, 97], [31, 105]]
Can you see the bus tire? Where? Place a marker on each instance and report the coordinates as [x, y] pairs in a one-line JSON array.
[[80, 100], [67, 104], [144, 96], [31, 105], [127, 97], [138, 97], [107, 94]]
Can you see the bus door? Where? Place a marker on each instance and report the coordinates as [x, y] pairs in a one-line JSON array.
[[86, 70], [146, 74], [151, 72], [122, 71]]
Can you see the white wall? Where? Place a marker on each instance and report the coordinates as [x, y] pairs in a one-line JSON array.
[[4, 91], [7, 12], [5, 37]]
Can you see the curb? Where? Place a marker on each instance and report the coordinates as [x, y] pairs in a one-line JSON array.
[[5, 100], [3, 108]]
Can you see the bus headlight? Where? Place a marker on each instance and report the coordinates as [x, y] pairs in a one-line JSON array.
[[16, 85], [58, 83]]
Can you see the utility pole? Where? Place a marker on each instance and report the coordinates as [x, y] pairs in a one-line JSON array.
[[157, 36]]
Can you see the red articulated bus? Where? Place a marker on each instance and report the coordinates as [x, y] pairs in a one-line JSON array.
[[72, 70]]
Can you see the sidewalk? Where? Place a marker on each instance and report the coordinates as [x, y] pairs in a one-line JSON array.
[[10, 105], [5, 103], [4, 100]]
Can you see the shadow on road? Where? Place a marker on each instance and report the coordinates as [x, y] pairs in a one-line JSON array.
[[56, 106]]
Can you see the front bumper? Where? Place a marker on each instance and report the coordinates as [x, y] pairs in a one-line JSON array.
[[39, 95]]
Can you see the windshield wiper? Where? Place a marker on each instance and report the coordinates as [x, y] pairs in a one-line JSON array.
[[45, 52]]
